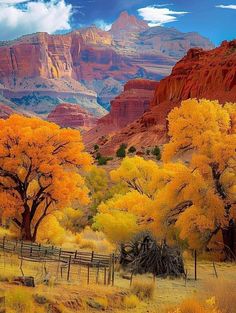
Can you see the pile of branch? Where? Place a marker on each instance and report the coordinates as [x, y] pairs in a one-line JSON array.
[[144, 255]]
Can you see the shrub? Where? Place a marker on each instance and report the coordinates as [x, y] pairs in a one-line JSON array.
[[157, 152], [196, 306], [121, 152], [102, 161], [143, 288], [148, 152], [96, 147], [98, 156], [132, 149], [131, 301], [191, 306]]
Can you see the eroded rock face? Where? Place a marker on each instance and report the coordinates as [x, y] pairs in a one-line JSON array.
[[88, 66], [73, 116], [126, 108], [130, 104], [200, 74], [5, 111]]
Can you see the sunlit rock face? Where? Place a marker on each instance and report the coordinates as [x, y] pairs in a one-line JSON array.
[[200, 74], [88, 66]]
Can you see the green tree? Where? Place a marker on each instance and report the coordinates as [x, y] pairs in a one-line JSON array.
[[157, 152], [132, 149], [121, 152]]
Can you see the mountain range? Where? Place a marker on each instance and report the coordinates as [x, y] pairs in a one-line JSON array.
[[88, 66]]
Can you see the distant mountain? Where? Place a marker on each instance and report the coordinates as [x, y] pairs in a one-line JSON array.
[[88, 66], [200, 74]]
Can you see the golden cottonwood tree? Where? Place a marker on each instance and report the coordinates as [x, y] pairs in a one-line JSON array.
[[39, 171], [192, 194], [205, 132]]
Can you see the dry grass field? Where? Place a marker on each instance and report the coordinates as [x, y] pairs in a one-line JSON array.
[[144, 295]]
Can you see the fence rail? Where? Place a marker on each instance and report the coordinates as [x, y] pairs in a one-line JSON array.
[[65, 259]]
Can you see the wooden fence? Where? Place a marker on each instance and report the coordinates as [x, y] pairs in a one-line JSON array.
[[100, 264]]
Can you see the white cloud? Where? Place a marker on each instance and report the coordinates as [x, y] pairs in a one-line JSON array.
[[19, 17], [230, 6], [158, 16], [103, 25], [12, 1]]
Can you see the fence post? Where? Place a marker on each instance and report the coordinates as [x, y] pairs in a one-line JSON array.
[[97, 275], [3, 245], [68, 272], [105, 275], [88, 275], [3, 242], [21, 248], [195, 264], [109, 271], [92, 256], [113, 269], [186, 277], [215, 269]]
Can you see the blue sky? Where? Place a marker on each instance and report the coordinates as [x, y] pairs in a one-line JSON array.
[[215, 19]]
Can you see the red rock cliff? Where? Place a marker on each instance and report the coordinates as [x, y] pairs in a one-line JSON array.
[[130, 104], [200, 74], [126, 108], [87, 63]]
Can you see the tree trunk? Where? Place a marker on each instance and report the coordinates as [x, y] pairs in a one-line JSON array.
[[26, 227], [229, 240]]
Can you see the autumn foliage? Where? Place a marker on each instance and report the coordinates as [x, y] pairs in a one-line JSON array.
[[191, 195], [40, 171]]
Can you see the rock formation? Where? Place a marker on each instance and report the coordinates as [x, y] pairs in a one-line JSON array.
[[125, 108], [130, 104], [72, 115], [5, 111], [88, 66], [200, 74]]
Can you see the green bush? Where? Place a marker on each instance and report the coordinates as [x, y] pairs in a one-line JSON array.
[[121, 152], [96, 147], [98, 156], [102, 161], [132, 149], [157, 152]]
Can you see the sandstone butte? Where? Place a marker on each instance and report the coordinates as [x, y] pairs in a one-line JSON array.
[[200, 74], [69, 115], [125, 108], [88, 66]]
